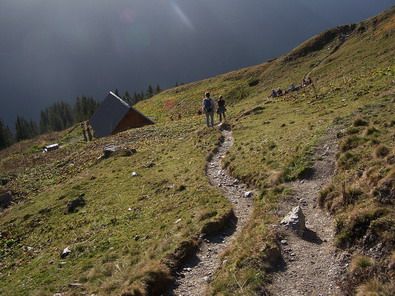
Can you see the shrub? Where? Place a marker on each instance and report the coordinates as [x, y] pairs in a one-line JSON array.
[[384, 229], [253, 82], [351, 143], [371, 131], [356, 226], [360, 122], [375, 288], [352, 130], [360, 262], [381, 151], [347, 160], [385, 191], [326, 194], [351, 195], [276, 178]]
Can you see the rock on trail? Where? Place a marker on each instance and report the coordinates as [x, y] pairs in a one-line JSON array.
[[194, 278]]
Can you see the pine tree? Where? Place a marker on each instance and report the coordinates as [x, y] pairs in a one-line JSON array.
[[135, 98], [6, 138], [150, 91], [23, 129], [127, 98], [44, 121], [33, 129], [158, 89], [78, 115]]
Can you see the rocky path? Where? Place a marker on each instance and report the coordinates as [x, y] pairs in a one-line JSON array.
[[194, 278], [312, 266]]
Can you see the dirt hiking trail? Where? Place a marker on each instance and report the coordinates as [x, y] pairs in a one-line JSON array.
[[193, 279], [311, 264]]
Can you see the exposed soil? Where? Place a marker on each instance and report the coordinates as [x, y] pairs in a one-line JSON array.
[[193, 279], [312, 265]]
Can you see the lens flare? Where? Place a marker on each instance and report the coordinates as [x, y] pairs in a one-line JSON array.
[[181, 14]]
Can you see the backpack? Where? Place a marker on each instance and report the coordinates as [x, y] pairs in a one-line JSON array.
[[207, 105]]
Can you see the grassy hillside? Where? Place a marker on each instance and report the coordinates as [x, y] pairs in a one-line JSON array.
[[129, 225], [133, 231]]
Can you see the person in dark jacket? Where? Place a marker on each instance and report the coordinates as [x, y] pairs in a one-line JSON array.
[[208, 107], [221, 108]]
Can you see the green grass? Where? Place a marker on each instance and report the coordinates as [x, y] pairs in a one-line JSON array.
[[128, 223]]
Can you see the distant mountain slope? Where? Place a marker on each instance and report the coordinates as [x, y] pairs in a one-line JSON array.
[[368, 40]]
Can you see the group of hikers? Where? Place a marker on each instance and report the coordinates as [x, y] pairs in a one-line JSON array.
[[210, 107], [279, 92]]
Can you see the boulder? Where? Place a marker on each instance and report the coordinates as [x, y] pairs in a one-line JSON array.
[[5, 199], [112, 150], [66, 252], [248, 194], [295, 220]]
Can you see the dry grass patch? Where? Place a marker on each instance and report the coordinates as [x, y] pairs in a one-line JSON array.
[[375, 288], [360, 262]]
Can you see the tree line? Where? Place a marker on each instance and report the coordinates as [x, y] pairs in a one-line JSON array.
[[62, 115]]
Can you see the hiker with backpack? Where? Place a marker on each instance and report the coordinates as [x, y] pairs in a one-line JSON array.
[[208, 109], [221, 108]]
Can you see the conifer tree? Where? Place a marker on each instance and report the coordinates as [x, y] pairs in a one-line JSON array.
[[6, 138], [44, 121], [24, 129], [127, 98], [135, 98], [33, 129], [150, 91]]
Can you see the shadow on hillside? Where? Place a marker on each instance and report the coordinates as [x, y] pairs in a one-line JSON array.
[[312, 237], [215, 238], [227, 231], [279, 265], [307, 174]]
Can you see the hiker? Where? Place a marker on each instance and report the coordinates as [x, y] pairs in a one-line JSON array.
[[306, 81], [84, 132], [89, 131], [221, 108], [208, 109], [280, 92]]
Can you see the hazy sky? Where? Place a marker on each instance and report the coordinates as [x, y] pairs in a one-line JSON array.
[[52, 50]]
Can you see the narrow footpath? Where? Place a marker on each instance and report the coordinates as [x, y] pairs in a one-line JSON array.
[[312, 265], [194, 278]]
